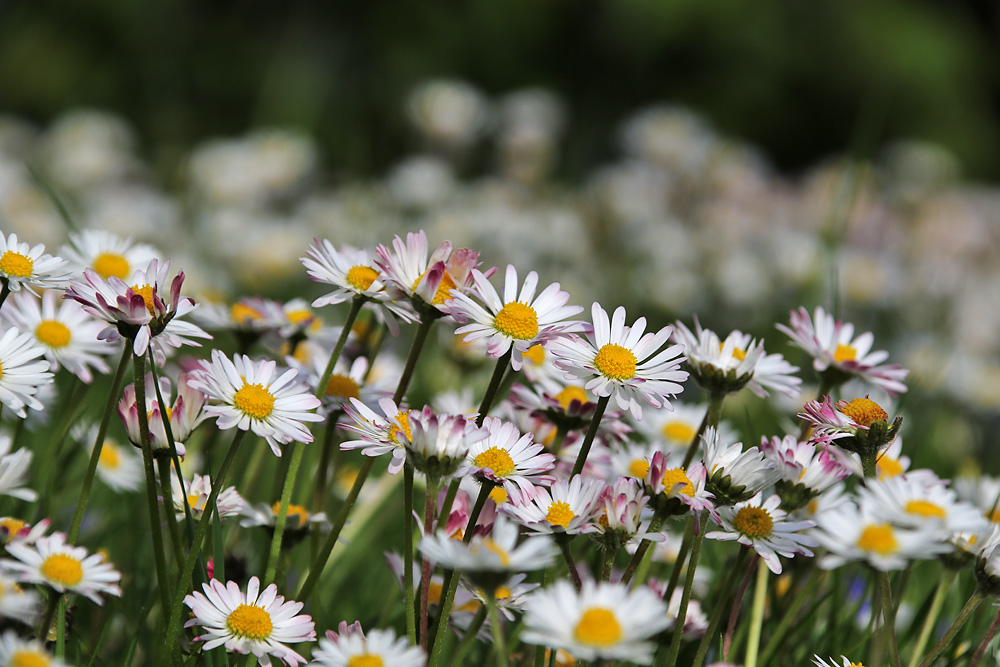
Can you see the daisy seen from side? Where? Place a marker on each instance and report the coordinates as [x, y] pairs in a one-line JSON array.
[[22, 373], [568, 506], [23, 265], [377, 648], [62, 567], [108, 255]]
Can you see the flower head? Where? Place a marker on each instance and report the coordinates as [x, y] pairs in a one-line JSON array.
[[735, 475], [22, 373], [437, 444], [108, 255], [569, 506], [380, 434], [674, 490], [22, 264], [183, 415], [199, 488], [859, 426], [353, 648], [62, 567], [509, 459], [806, 469], [762, 526], [15, 651]]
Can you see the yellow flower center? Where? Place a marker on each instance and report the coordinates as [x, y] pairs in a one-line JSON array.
[[738, 353], [878, 538], [109, 264], [501, 593], [109, 456], [864, 411], [926, 509], [444, 289], [52, 333], [146, 292], [844, 353], [342, 385], [62, 569], [675, 476], [404, 427], [12, 526], [598, 627], [559, 514], [517, 321], [255, 401], [361, 277], [615, 362], [365, 660], [639, 468], [15, 264], [499, 495], [496, 459], [302, 316], [250, 622], [753, 522], [193, 500], [498, 550], [29, 658], [243, 314], [856, 664], [571, 393], [1, 370], [434, 591], [888, 467], [300, 513], [679, 431], [535, 354], [993, 515]]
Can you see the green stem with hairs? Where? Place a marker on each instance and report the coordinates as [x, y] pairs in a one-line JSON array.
[[940, 595], [675, 641], [981, 651], [173, 527], [426, 569], [655, 524], [720, 607], [408, 603], [498, 643], [563, 540], [491, 391], [595, 423], [756, 614], [712, 417], [469, 637], [682, 554], [963, 616]]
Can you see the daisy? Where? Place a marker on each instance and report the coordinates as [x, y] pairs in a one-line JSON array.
[[21, 264], [16, 530], [624, 504], [108, 255], [14, 471], [17, 603], [761, 525], [508, 459], [119, 467], [834, 348], [229, 503], [674, 429], [354, 649], [570, 506], [914, 503], [257, 622], [676, 490], [619, 361], [847, 662], [630, 460], [518, 321], [735, 475], [62, 567], [16, 652], [128, 411], [438, 444], [379, 434], [602, 621], [726, 366], [348, 380], [139, 309], [262, 514], [67, 334], [860, 426], [22, 373], [806, 471], [251, 398], [566, 405], [695, 621]]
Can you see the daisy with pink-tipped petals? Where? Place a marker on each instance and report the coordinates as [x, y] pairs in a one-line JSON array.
[[508, 459], [567, 507]]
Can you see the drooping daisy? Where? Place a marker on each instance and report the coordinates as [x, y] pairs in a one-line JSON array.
[[833, 347], [618, 360], [380, 434], [806, 470], [14, 471], [602, 621], [250, 397], [17, 603], [62, 567], [438, 444], [519, 320], [735, 475], [509, 459], [29, 266], [257, 622], [726, 366], [761, 525], [141, 308], [108, 255], [22, 373], [377, 648], [67, 334], [18, 652], [199, 488], [569, 506]]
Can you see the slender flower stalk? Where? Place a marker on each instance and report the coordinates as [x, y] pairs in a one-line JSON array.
[[581, 458], [425, 573], [987, 640], [675, 640], [408, 601], [720, 607], [563, 540], [499, 649], [757, 614], [963, 616], [940, 595]]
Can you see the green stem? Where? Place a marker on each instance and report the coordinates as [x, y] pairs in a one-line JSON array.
[[95, 454], [282, 518], [563, 540], [469, 637], [757, 614], [940, 595], [498, 642], [503, 363], [963, 616], [42, 633], [682, 554], [720, 607], [159, 554], [655, 524], [791, 616], [727, 638], [607, 563], [411, 628], [981, 651], [712, 418], [425, 573], [675, 641], [595, 423], [868, 465], [419, 338], [168, 508], [352, 315], [173, 628]]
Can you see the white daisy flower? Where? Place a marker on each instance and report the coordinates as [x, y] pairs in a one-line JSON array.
[[262, 514], [22, 373], [22, 264], [199, 488], [67, 334], [118, 467], [16, 530], [676, 490], [257, 622], [377, 648], [108, 255], [508, 459], [761, 525], [496, 554], [677, 428], [982, 491], [624, 505], [439, 443], [833, 346], [569, 506], [726, 366], [630, 460], [18, 604], [14, 471], [16, 652], [519, 320], [619, 361], [62, 567], [348, 380], [847, 662], [735, 475], [603, 621], [914, 503], [250, 397], [806, 471], [379, 434]]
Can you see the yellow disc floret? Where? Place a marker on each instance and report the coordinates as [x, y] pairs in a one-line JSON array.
[[638, 468], [598, 627], [109, 264], [12, 526], [844, 353], [62, 569], [559, 514], [496, 459], [926, 509], [250, 622], [571, 393], [52, 333], [243, 314], [753, 522], [888, 467], [29, 658], [444, 289], [679, 431], [300, 514], [499, 495], [517, 321], [404, 427], [878, 538], [674, 477], [342, 385], [365, 660], [615, 362], [254, 401], [146, 292], [361, 277], [109, 456], [15, 264], [535, 354], [864, 412]]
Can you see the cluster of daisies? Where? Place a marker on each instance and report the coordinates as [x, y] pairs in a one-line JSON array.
[[570, 500]]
